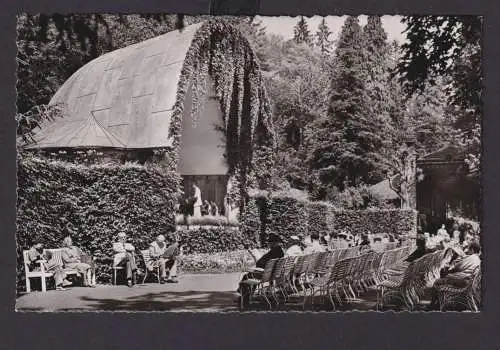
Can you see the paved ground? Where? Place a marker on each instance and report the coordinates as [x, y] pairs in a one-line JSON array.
[[200, 293], [210, 292]]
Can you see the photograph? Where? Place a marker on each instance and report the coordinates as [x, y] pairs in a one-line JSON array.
[[235, 164]]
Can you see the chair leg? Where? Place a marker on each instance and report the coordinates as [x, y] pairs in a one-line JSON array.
[[114, 277], [44, 284], [28, 285]]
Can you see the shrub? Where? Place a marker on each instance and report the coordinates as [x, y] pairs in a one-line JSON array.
[[392, 221], [229, 261], [92, 204], [317, 218], [211, 239], [286, 216], [207, 220]]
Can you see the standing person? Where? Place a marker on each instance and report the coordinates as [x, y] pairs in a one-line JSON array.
[[456, 235], [205, 208], [166, 257], [35, 253], [295, 248], [214, 209], [124, 256], [197, 201], [443, 233], [72, 259]]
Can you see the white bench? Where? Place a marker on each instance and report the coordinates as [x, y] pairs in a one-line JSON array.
[[42, 274]]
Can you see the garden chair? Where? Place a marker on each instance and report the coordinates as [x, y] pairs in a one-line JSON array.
[[146, 256], [284, 282], [300, 268], [332, 282], [261, 285], [410, 286], [468, 296], [121, 268]]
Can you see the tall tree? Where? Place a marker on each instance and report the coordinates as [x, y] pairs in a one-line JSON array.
[[343, 141], [301, 33], [448, 47], [323, 37]]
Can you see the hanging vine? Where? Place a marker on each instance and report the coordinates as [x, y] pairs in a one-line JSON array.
[[220, 51]]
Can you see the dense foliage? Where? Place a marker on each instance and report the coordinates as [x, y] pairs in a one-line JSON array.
[[218, 262], [213, 239], [289, 215], [92, 204], [220, 50], [449, 48]]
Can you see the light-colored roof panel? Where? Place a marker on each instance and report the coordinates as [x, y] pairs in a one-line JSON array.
[[159, 125], [106, 91], [132, 64], [123, 98], [166, 87], [140, 115]]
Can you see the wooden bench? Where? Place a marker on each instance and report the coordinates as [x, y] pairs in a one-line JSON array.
[[42, 274]]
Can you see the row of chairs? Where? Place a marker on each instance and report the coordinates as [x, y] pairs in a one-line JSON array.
[[406, 287], [342, 271]]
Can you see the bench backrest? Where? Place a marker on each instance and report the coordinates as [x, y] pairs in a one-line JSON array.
[[146, 255], [26, 260], [56, 254]]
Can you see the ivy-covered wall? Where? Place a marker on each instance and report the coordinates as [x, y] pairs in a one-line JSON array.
[[220, 51], [287, 216]]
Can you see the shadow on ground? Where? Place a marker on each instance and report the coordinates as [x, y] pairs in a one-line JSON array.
[[164, 301]]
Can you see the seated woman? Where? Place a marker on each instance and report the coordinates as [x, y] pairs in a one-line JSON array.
[[275, 252], [35, 253], [462, 271], [124, 256], [74, 258]]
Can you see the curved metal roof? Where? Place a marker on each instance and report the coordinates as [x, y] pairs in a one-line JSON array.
[[122, 99]]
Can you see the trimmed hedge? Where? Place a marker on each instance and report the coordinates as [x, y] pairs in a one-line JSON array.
[[392, 221], [287, 216], [317, 218], [92, 204], [230, 261], [212, 239]]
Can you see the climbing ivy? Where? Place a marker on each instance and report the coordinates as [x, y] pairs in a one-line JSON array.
[[220, 51]]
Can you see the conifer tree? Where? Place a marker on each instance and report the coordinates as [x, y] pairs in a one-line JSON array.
[[343, 142], [301, 33], [322, 37]]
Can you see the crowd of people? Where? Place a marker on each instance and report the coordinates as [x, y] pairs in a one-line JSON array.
[[162, 255], [459, 270]]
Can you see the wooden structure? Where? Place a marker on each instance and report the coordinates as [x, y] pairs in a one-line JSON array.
[[445, 189]]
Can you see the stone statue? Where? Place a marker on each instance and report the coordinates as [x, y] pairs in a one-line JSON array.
[[197, 201]]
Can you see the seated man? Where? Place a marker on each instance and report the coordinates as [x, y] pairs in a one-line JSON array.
[[74, 258], [166, 257], [35, 254], [124, 256], [275, 252]]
